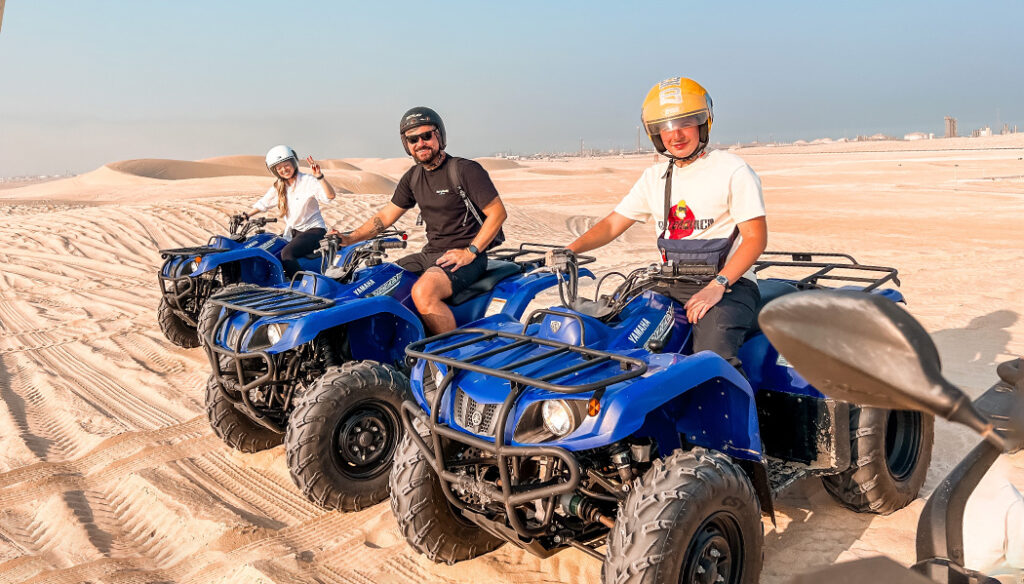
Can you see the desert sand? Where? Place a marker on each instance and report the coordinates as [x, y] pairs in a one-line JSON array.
[[110, 473]]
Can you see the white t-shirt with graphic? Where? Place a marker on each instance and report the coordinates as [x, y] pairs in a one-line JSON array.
[[710, 196], [303, 209]]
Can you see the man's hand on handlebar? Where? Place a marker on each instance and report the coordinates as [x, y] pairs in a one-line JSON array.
[[558, 259]]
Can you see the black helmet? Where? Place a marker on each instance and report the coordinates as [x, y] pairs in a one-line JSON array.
[[421, 116]]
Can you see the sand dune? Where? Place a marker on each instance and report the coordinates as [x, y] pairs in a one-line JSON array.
[[110, 473], [492, 164], [392, 167], [182, 169]]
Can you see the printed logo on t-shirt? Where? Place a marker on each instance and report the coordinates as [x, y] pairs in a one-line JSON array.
[[441, 192], [682, 222]]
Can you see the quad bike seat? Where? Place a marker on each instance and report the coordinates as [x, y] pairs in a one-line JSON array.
[[770, 290], [496, 271]]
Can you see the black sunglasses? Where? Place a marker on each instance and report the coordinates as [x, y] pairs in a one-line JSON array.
[[415, 138]]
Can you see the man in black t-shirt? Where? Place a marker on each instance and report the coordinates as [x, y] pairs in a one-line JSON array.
[[460, 207]]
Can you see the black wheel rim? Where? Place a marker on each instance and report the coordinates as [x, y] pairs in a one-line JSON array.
[[365, 439], [715, 554], [902, 443]]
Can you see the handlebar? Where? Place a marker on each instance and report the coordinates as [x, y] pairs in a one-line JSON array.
[[240, 225]]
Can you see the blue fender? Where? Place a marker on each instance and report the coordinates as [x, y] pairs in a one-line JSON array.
[[699, 397], [257, 266], [517, 293], [382, 327]]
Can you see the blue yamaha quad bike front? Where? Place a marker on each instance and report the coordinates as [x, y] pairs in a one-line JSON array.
[[595, 424], [190, 275], [320, 365]]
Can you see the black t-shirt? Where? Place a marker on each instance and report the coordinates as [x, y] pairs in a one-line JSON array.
[[449, 223]]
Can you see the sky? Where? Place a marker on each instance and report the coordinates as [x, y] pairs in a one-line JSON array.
[[83, 83]]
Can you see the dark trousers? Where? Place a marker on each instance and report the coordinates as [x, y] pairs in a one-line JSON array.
[[302, 244], [722, 329]]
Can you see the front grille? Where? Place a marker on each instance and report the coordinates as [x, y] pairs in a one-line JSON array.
[[474, 416]]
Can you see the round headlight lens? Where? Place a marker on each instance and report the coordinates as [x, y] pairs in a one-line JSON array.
[[557, 417], [274, 332], [191, 267]]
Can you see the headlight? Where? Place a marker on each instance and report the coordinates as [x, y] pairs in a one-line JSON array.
[[557, 417], [274, 332]]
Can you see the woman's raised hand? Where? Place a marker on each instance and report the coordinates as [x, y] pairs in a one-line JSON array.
[[315, 167]]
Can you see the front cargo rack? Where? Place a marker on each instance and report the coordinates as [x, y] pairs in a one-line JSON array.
[[272, 301], [630, 366], [839, 269], [199, 250]]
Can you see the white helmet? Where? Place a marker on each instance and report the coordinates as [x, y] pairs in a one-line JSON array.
[[279, 154]]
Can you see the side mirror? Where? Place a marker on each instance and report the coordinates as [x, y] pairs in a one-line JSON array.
[[864, 349]]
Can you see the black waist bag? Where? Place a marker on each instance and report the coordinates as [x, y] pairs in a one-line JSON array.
[[697, 252]]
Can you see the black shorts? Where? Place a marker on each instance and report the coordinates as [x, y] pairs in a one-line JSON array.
[[461, 278]]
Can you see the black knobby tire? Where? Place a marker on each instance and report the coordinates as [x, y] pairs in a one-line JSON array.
[[209, 312], [428, 521], [890, 451], [232, 426], [691, 518], [175, 328], [343, 433]]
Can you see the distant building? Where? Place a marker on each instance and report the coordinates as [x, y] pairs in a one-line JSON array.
[[950, 127], [981, 132], [915, 136]]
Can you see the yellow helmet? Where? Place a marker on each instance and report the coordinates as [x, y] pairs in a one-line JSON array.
[[677, 103]]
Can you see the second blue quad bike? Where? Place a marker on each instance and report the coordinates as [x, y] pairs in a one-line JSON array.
[[319, 363], [190, 275], [594, 426]]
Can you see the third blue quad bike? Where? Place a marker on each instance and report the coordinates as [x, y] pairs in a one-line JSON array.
[[319, 363], [894, 365], [190, 275], [595, 426]]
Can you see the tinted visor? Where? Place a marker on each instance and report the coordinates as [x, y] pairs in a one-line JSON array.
[[685, 121]]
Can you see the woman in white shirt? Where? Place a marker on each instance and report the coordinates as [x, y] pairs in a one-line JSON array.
[[297, 196]]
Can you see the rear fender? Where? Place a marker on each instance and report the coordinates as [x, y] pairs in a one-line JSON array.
[[255, 265], [698, 398], [515, 294], [379, 328]]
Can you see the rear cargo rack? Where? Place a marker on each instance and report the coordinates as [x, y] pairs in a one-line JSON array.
[[272, 301], [531, 253], [199, 250], [870, 277]]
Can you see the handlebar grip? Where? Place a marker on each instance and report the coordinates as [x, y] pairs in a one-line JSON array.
[[393, 244], [271, 219]]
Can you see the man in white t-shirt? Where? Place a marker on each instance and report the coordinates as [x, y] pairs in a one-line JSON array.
[[297, 196], [716, 215]]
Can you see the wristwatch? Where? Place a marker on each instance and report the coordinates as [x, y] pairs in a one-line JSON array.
[[473, 249], [720, 279], [321, 177]]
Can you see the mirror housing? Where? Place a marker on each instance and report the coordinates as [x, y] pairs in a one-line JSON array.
[[864, 349]]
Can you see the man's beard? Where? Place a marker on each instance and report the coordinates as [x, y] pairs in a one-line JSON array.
[[432, 162]]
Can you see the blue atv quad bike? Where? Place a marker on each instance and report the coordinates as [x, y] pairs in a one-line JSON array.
[[190, 275], [319, 363], [594, 424]]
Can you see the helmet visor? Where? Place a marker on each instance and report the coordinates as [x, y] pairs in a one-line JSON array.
[[689, 120]]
